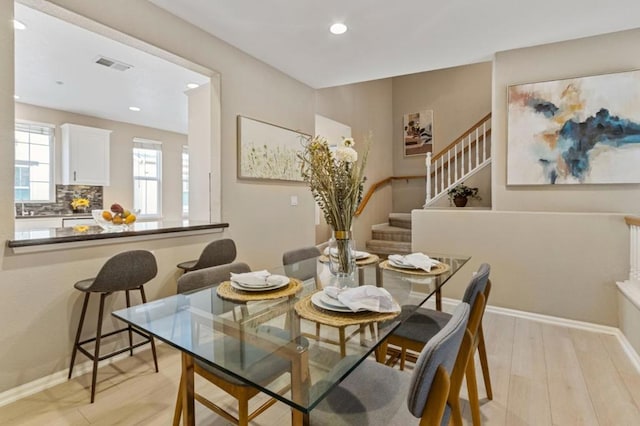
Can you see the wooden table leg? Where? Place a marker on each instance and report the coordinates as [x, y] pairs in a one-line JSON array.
[[300, 386], [438, 299], [381, 352], [187, 390], [379, 276]]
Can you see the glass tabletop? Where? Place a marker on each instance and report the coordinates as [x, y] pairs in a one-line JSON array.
[[267, 344]]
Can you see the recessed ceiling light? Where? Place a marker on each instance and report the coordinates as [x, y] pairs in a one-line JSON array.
[[134, 108], [192, 85], [338, 28], [19, 25]]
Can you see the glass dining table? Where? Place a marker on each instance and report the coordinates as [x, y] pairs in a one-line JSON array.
[[237, 336]]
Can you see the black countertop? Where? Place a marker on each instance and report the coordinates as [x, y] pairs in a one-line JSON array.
[[53, 216], [91, 233]]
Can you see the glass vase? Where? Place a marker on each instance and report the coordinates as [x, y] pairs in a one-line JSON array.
[[342, 262]]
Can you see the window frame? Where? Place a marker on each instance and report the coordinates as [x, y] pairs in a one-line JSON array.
[[27, 126], [149, 145], [185, 180]]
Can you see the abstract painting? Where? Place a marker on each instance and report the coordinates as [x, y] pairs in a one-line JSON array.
[[266, 151], [418, 133], [573, 131]]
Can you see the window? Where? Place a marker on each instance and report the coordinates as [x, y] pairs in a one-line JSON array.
[[33, 162], [147, 172], [185, 181]]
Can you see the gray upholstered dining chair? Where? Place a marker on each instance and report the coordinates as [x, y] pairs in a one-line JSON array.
[[421, 324], [217, 252], [375, 394], [295, 267], [265, 367], [125, 271]]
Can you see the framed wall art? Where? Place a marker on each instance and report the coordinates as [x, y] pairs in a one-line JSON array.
[[575, 131], [417, 135], [267, 151]]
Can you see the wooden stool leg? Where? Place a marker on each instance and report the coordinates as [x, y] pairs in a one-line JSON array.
[[75, 345], [472, 390], [96, 353], [153, 344], [126, 292], [482, 352], [403, 358]]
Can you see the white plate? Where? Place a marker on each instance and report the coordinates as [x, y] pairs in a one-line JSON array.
[[328, 300], [276, 281], [316, 299], [357, 255]]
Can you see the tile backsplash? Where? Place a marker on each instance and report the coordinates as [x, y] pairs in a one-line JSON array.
[[62, 205]]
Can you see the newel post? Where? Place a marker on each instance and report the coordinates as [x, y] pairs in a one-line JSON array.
[[428, 164], [634, 247]]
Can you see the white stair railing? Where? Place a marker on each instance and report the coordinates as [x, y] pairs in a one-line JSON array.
[[464, 157]]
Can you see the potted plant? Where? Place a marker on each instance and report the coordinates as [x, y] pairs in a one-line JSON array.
[[459, 194]]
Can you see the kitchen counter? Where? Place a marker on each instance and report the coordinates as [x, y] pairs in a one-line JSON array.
[[71, 237], [50, 216]]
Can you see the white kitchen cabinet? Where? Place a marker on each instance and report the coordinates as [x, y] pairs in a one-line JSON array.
[[85, 155]]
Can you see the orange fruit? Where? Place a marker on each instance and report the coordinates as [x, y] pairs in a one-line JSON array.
[[130, 218], [106, 215], [117, 220]]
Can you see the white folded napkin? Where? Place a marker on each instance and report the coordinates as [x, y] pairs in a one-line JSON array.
[[366, 297], [252, 279], [416, 260]]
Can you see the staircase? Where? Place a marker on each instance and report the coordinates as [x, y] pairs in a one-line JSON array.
[[393, 237], [465, 156]]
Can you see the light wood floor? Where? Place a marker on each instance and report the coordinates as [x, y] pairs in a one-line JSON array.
[[542, 375]]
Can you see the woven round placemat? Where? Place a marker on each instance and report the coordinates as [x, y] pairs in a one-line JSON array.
[[309, 311], [225, 291], [440, 268], [370, 260]]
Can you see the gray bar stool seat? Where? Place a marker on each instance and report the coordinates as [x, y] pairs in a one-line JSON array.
[[217, 252], [125, 271]]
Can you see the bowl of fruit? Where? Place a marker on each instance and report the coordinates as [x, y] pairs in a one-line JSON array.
[[116, 218]]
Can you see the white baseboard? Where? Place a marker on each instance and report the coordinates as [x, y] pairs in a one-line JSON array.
[[548, 319], [43, 383]]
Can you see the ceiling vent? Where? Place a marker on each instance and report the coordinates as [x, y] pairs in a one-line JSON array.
[[112, 63]]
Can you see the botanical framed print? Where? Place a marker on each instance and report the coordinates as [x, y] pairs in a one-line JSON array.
[[417, 135], [575, 131], [267, 151]]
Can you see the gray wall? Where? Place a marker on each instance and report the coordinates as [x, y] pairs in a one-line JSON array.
[[366, 107], [39, 309], [555, 250], [459, 98]]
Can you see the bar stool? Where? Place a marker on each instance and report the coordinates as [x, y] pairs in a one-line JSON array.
[[125, 271], [217, 252]]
